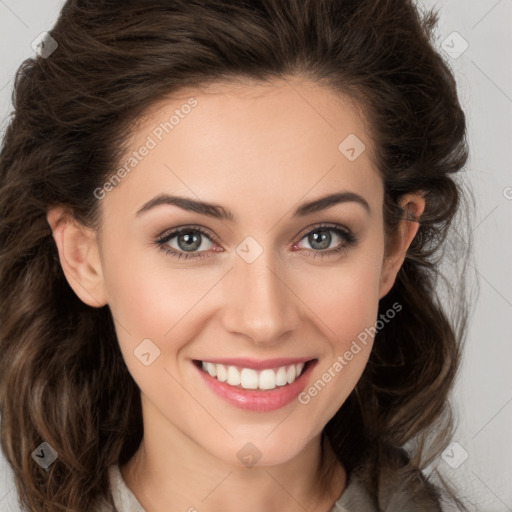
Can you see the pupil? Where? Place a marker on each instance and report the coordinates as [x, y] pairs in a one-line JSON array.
[[323, 240], [189, 242]]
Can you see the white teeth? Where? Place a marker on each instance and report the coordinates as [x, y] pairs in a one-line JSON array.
[[212, 369], [290, 374], [233, 376], [267, 379], [222, 373], [281, 376], [248, 378]]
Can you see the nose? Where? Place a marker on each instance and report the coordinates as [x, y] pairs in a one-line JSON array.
[[259, 303]]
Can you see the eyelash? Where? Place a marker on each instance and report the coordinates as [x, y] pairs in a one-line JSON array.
[[349, 240]]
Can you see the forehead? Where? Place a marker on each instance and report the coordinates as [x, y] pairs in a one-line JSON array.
[[261, 142]]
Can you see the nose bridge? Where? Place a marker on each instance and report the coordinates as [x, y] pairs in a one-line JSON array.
[[258, 303]]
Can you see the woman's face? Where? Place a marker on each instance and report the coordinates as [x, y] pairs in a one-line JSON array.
[[249, 273]]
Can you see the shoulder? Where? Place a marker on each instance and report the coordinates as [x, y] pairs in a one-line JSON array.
[[357, 497], [124, 500], [104, 503]]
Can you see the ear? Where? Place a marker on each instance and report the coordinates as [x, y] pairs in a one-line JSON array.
[[79, 256], [413, 206]]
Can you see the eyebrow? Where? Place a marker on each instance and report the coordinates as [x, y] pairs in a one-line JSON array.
[[219, 212]]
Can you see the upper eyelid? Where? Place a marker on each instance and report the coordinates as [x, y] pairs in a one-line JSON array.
[[334, 227], [172, 232]]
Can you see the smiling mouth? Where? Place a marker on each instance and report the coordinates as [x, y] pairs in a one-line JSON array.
[[248, 378]]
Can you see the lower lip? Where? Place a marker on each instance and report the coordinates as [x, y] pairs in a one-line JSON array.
[[257, 400]]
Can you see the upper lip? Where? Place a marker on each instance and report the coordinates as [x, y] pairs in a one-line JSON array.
[[258, 364]]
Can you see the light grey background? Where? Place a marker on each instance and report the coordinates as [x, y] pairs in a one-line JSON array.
[[483, 394]]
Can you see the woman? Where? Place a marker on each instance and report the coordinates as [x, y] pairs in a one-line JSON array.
[[221, 223]]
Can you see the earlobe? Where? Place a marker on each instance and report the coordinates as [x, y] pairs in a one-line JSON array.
[[413, 205], [79, 256]]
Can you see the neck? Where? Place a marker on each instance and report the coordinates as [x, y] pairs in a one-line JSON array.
[[179, 475]]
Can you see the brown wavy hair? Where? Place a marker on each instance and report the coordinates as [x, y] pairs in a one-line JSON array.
[[62, 376]]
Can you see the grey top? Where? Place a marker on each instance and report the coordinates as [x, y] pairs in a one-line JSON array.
[[353, 499]]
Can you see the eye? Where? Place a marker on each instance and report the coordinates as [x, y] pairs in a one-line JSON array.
[[196, 242], [321, 239], [188, 242]]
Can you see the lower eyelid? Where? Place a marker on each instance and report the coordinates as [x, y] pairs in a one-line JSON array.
[[164, 245]]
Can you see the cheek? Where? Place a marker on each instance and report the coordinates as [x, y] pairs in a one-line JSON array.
[[151, 312], [344, 301], [146, 298], [151, 302], [343, 298]]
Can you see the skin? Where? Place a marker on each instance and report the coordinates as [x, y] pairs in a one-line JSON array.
[[259, 151]]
